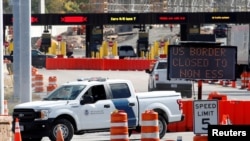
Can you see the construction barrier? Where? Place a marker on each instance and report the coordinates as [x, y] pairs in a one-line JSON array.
[[5, 128], [187, 123], [233, 84], [235, 109], [216, 95], [52, 80], [17, 136], [39, 85], [33, 73], [50, 88], [52, 84], [200, 138], [225, 120], [119, 126], [98, 64], [149, 126], [244, 80]]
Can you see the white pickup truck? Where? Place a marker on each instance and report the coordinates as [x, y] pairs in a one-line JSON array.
[[158, 80], [85, 106]]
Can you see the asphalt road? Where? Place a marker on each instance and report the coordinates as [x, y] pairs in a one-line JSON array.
[[140, 81], [105, 136]]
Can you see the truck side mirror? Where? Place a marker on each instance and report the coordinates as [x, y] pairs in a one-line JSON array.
[[86, 99], [147, 71]]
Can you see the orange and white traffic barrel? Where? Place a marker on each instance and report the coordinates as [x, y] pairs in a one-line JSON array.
[[52, 80], [39, 85], [149, 126], [200, 138], [244, 80], [50, 88], [33, 73], [119, 126], [52, 84], [233, 84]]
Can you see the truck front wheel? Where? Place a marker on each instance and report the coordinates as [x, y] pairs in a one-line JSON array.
[[162, 126], [66, 127]]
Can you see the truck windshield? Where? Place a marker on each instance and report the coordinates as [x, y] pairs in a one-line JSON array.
[[67, 92]]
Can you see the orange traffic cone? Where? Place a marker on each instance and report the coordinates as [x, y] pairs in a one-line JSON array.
[[17, 136], [59, 135], [226, 120]]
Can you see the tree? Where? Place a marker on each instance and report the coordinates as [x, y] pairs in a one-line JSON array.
[[71, 7], [6, 7], [35, 6], [54, 6]]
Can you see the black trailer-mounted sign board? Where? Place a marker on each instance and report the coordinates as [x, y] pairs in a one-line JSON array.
[[202, 62]]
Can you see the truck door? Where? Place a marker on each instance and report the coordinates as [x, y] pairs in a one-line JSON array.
[[96, 115], [123, 100]]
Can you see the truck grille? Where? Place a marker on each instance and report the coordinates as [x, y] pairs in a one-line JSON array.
[[25, 114]]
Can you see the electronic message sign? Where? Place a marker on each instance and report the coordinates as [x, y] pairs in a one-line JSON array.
[[220, 17], [171, 18], [35, 19], [123, 19], [134, 18], [71, 19], [202, 62]]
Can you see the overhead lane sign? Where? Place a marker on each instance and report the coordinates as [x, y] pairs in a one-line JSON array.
[[134, 18], [123, 19], [171, 18], [220, 17]]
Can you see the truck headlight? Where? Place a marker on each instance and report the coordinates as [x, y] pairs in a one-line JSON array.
[[43, 115]]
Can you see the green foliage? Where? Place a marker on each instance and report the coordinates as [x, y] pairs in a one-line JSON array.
[[54, 6], [6, 7], [35, 6], [71, 7]]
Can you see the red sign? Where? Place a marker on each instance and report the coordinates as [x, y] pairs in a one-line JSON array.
[[6, 44], [74, 19], [111, 43], [162, 43], [59, 38], [172, 18], [34, 19]]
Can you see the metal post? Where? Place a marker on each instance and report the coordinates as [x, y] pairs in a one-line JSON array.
[[16, 51], [1, 62], [199, 89], [25, 52]]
